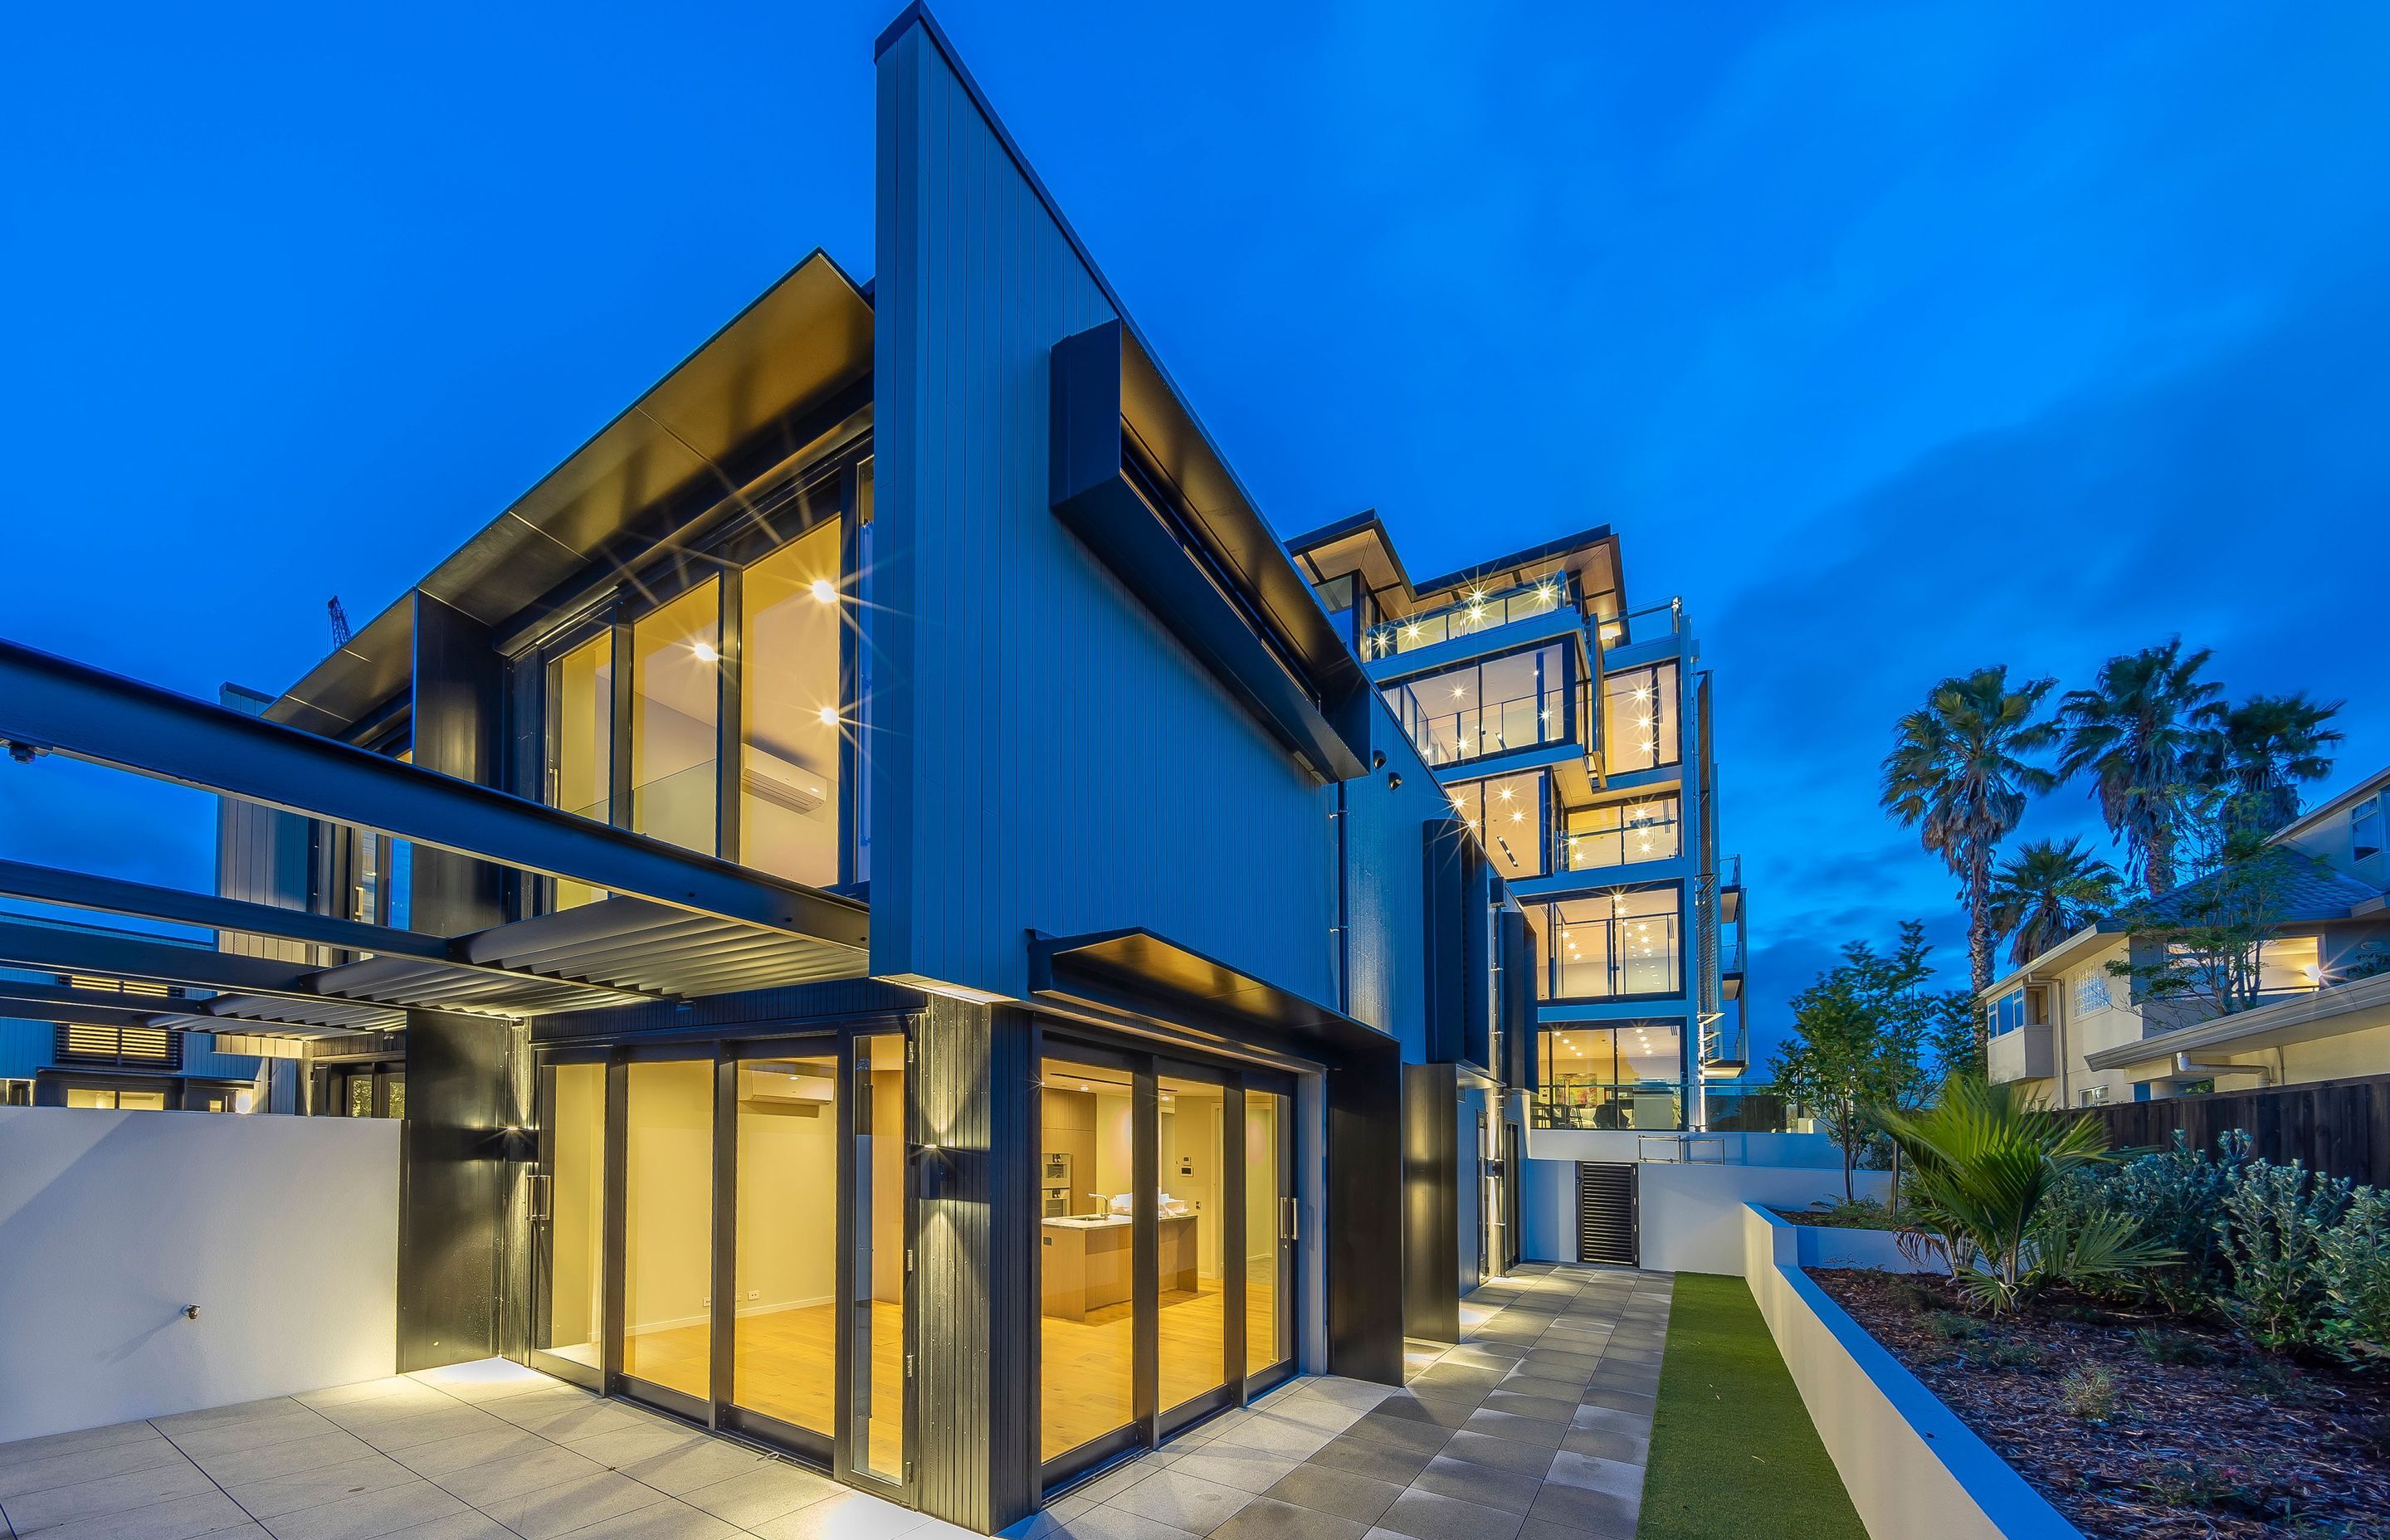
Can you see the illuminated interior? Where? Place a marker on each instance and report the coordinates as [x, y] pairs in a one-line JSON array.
[[675, 707], [1621, 942], [1508, 815], [1627, 1076], [581, 742], [788, 662], [1640, 719]]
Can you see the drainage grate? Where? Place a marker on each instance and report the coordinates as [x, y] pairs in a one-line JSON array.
[[1605, 1214]]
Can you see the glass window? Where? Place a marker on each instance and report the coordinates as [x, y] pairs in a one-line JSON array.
[[786, 1330], [1087, 1121], [581, 743], [1193, 1200], [1519, 700], [2288, 963], [1480, 609], [675, 709], [1627, 1076], [2365, 829], [1639, 719], [1622, 942], [668, 1225], [1269, 1323], [1618, 834], [878, 1362], [789, 663], [572, 1315], [1507, 815]]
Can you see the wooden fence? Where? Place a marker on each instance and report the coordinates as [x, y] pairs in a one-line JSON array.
[[2340, 1127]]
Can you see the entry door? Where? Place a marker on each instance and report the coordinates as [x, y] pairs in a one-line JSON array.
[[568, 1232], [1271, 1229]]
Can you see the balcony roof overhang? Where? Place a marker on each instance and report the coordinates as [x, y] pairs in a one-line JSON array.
[[1137, 974], [797, 345], [1359, 544], [2360, 1005]]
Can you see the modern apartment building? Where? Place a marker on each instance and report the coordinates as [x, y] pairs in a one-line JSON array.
[[1571, 734], [898, 927], [2079, 1034], [107, 1056]]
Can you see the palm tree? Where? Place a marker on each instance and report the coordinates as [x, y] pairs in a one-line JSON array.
[[1957, 774], [2142, 732], [2046, 893], [2268, 744]]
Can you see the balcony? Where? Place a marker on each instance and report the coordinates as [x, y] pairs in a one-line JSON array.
[[1730, 886], [1478, 732], [1653, 623], [1471, 616], [2020, 1053]]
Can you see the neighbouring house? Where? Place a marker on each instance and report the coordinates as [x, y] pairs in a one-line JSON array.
[[111, 1056], [1572, 734], [2068, 1024]]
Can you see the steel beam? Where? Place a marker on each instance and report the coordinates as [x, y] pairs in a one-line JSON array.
[[53, 704], [57, 949]]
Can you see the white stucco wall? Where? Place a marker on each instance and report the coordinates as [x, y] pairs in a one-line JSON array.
[[1689, 1215], [283, 1231], [1911, 1466]]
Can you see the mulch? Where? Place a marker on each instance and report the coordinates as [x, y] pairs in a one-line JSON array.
[[2193, 1432]]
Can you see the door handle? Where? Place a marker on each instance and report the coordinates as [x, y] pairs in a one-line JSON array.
[[1290, 1219], [538, 1195]]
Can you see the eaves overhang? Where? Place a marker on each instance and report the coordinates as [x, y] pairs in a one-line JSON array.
[[799, 342], [1135, 477], [2091, 938], [1137, 973], [2360, 1005]]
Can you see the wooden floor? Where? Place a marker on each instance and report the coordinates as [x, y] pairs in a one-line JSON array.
[[785, 1363], [1084, 1367], [786, 1368]]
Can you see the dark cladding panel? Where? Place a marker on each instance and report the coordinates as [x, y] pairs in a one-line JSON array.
[[460, 703], [1430, 1207], [453, 1187], [974, 1284], [1515, 994]]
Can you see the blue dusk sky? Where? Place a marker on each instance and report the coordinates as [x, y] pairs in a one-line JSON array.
[[1898, 339]]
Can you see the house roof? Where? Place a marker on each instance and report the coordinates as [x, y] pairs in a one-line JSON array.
[[2309, 893], [2357, 1006]]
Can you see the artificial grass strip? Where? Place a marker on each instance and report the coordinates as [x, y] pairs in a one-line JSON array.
[[1733, 1453]]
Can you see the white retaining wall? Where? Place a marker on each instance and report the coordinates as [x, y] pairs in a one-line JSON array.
[[1911, 1466], [1690, 1213], [283, 1231]]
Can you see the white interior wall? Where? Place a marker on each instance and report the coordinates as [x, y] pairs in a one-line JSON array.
[[284, 1232]]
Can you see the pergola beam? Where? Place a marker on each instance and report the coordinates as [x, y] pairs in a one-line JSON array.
[[53, 704]]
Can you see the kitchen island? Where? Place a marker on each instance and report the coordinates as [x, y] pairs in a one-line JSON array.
[[1084, 1260]]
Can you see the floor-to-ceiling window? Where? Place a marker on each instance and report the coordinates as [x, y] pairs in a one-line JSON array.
[[1267, 1237], [1492, 706], [1191, 1208], [1631, 1075], [1621, 942], [668, 1225], [1640, 719], [785, 1329], [570, 1318], [675, 711], [1087, 1281], [1508, 815], [581, 742], [1623, 833], [877, 1163], [793, 612]]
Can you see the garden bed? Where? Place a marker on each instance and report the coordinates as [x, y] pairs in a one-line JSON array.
[[2138, 1426]]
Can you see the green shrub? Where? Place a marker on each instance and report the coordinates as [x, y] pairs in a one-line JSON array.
[[2355, 1266], [2177, 1197], [1951, 1327], [2274, 1219]]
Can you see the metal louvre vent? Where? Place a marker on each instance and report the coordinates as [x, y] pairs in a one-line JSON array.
[[1605, 1214], [148, 1047]]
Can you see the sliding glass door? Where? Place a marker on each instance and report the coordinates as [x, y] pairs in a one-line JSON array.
[[724, 1238], [1164, 1248]]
